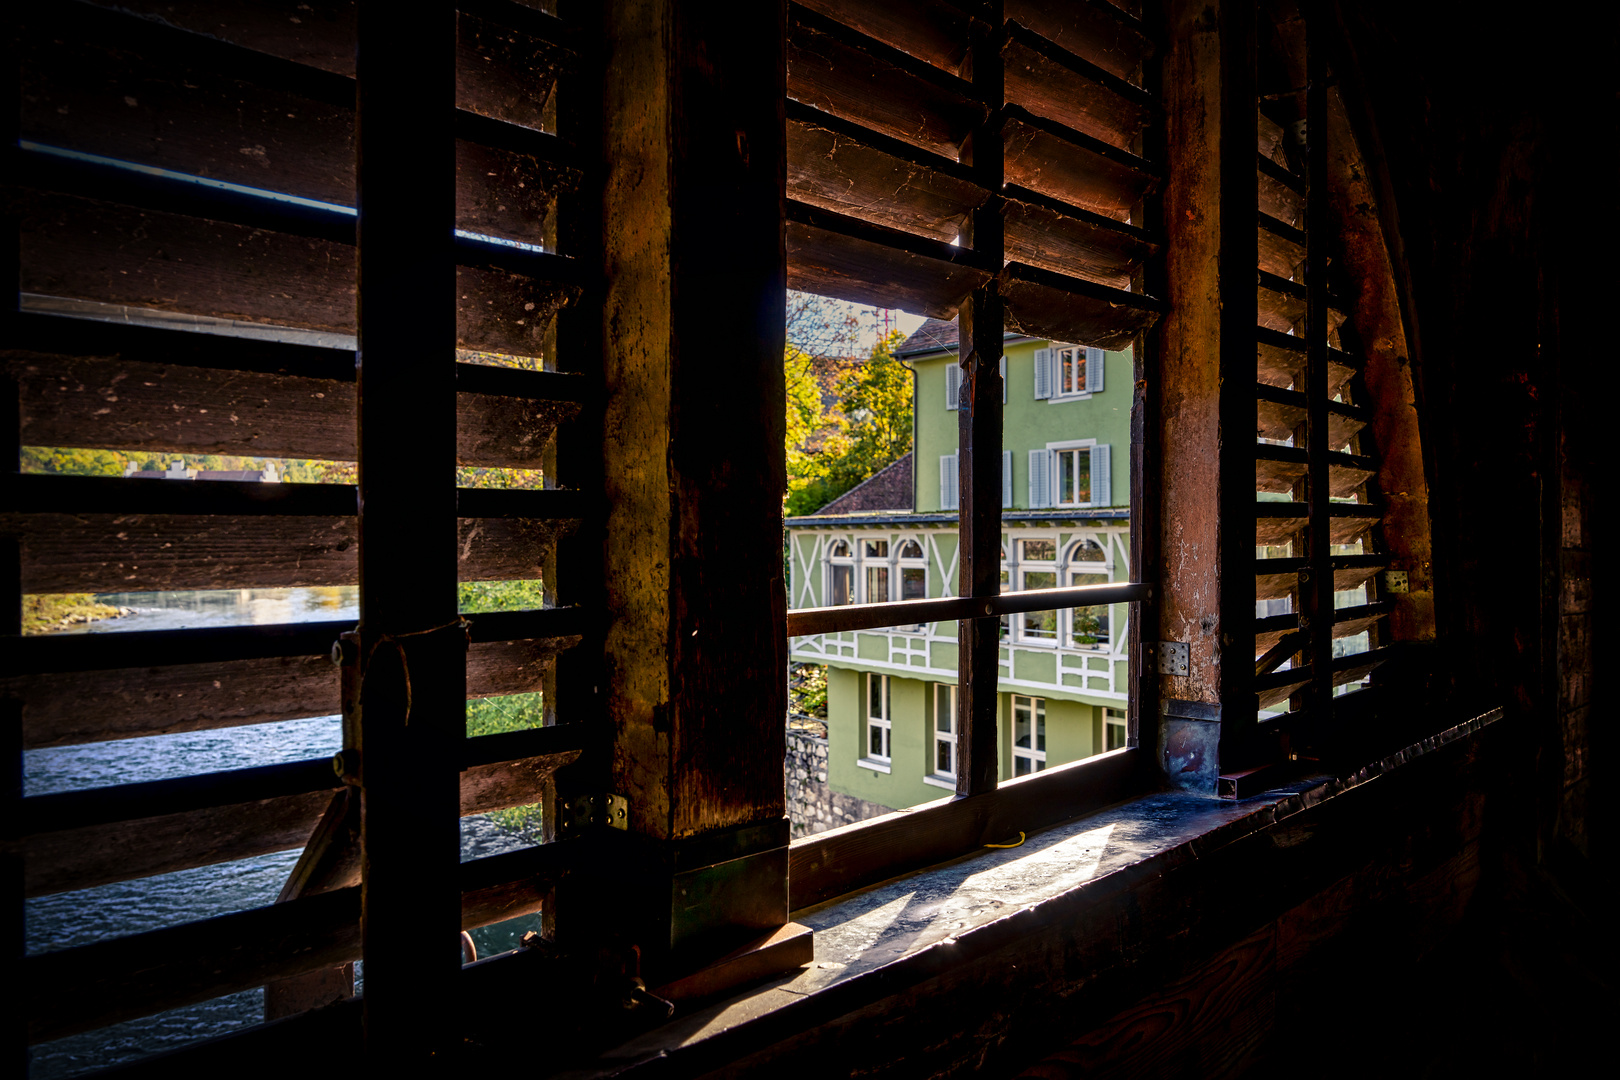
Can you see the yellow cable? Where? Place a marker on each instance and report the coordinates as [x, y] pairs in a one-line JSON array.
[[1020, 841]]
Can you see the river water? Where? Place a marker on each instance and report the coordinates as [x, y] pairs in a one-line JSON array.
[[77, 918]]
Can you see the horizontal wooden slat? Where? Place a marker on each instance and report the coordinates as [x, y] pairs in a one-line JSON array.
[[67, 708], [1072, 167], [1276, 523], [69, 859], [162, 552], [1347, 622], [1043, 304], [1043, 232], [834, 68], [1278, 468], [1282, 247], [1280, 361], [834, 165], [1279, 577], [1052, 82], [835, 256], [508, 56], [111, 404], [934, 31], [1094, 29], [1276, 687], [1281, 194], [1270, 138], [125, 978], [116, 254], [1278, 412]]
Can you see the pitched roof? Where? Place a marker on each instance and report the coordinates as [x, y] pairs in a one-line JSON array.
[[935, 335], [887, 489]]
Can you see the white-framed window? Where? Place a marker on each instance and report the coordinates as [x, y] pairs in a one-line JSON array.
[[1038, 569], [1065, 372], [949, 494], [1073, 473], [1028, 734], [1005, 587], [943, 765], [1113, 729], [877, 719], [840, 573], [913, 571], [875, 563], [1087, 564], [953, 385]]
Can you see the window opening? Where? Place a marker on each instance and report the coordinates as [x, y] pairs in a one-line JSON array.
[[877, 718], [1029, 734], [945, 732]]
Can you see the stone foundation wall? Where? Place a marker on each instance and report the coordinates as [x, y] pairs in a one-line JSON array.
[[813, 806]]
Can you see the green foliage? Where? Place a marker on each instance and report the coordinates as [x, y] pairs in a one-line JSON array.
[[494, 716], [870, 427], [473, 597], [43, 613], [807, 690], [75, 461]]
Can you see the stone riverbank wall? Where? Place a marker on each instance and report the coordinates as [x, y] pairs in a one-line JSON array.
[[813, 806]]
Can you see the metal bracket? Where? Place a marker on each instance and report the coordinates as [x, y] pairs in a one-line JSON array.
[[1168, 657], [583, 811], [1395, 581]]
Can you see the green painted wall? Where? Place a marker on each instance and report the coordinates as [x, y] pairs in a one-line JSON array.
[[1027, 422]]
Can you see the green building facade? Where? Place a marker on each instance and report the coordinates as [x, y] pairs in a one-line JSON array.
[[1066, 485]]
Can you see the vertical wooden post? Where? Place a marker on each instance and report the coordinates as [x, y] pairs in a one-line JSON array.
[[692, 332], [411, 652], [981, 327], [1316, 592], [1206, 360]]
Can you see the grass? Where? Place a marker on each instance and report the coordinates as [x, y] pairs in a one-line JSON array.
[[47, 612]]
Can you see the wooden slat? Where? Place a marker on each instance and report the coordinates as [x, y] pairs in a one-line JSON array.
[[1279, 468], [837, 70], [1276, 523], [112, 404], [106, 252], [1072, 167], [1043, 232], [830, 165], [66, 708], [1343, 627], [832, 256], [1054, 83], [82, 858], [158, 552], [124, 978], [1043, 304], [1280, 194], [1271, 137], [934, 31], [1281, 307], [506, 66], [1279, 412], [1093, 29], [1280, 361], [1279, 577], [1282, 247]]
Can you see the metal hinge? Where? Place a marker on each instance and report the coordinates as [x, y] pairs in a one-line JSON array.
[[1167, 657], [1395, 581], [584, 811]]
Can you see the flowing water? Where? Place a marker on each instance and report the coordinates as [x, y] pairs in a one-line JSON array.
[[65, 920]]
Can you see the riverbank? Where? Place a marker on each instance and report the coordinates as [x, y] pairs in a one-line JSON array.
[[53, 612]]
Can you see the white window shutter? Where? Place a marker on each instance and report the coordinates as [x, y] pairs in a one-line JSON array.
[[1102, 492], [1040, 479], [1006, 475], [953, 387], [1004, 380], [1043, 373], [1095, 363], [947, 482]]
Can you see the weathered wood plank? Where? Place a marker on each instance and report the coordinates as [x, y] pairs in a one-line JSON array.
[[113, 404], [1276, 523], [931, 30], [161, 552], [862, 269], [1073, 167], [829, 169], [1071, 241], [1053, 83], [828, 70], [1271, 586], [1276, 419], [1281, 476], [1112, 40], [1281, 253], [72, 859], [68, 708], [1043, 304], [101, 251]]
